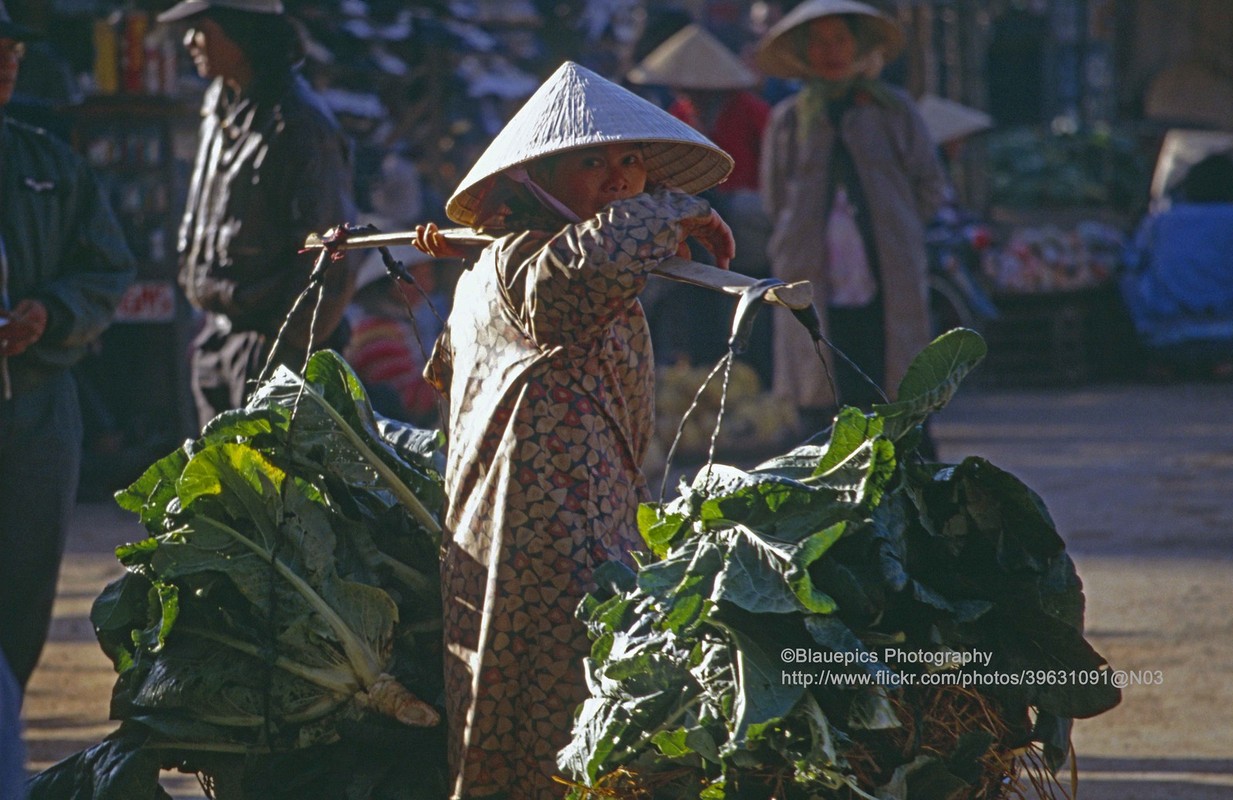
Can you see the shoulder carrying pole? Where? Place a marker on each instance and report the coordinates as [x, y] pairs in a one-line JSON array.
[[796, 297]]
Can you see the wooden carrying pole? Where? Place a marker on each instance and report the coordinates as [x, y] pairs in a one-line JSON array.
[[796, 296]]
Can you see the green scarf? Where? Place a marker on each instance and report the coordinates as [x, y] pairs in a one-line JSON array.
[[816, 94]]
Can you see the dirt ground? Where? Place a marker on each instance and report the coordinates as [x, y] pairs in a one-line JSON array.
[[1138, 478]]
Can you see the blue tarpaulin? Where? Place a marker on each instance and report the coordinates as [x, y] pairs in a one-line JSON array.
[[1178, 282]]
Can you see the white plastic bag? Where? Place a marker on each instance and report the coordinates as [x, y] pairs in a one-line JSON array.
[[849, 275]]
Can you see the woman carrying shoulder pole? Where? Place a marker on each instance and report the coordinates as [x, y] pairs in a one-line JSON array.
[[547, 372]]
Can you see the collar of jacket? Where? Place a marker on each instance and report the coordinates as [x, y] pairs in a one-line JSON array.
[[815, 95], [223, 102]]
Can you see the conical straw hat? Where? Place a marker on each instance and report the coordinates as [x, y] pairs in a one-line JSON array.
[[575, 108], [778, 53], [693, 59], [948, 120]]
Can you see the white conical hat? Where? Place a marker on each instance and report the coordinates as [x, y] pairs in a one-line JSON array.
[[778, 54], [948, 120], [693, 59], [576, 108], [189, 8]]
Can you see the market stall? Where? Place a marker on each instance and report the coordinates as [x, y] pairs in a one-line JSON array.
[[1062, 206], [134, 385]]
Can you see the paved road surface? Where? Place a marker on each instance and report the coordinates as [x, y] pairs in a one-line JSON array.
[[1140, 481]]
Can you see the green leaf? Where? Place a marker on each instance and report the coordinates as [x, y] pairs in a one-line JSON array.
[[673, 744], [333, 417], [755, 574], [856, 592], [831, 633], [151, 495], [241, 425], [799, 463], [234, 473], [1003, 508], [1054, 733], [889, 526], [809, 551], [936, 371], [1023, 639], [822, 757], [599, 728], [852, 431], [169, 603], [414, 445], [607, 616], [659, 529], [931, 780], [783, 508], [878, 474], [1061, 591], [700, 741], [117, 768], [690, 605], [614, 577], [696, 558], [118, 611], [932, 379], [136, 551], [762, 696]]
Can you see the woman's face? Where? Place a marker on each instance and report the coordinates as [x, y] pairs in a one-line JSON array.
[[11, 52], [214, 53], [831, 48], [587, 180]]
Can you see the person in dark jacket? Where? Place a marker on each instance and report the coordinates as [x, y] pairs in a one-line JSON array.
[[272, 166], [63, 267], [12, 748]]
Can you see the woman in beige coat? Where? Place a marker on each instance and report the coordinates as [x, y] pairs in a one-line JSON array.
[[849, 178]]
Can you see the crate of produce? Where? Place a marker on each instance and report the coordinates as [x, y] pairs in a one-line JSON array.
[[1059, 338]]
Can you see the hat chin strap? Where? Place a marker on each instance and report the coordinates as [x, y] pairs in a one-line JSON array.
[[520, 175]]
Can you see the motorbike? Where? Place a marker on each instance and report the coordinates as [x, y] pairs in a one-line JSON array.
[[955, 243]]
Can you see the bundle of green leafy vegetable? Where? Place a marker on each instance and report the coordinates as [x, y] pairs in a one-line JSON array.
[[278, 631], [849, 553], [1041, 168]]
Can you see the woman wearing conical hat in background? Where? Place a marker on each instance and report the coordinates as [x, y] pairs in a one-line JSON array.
[[712, 89], [712, 93], [546, 369], [849, 177]]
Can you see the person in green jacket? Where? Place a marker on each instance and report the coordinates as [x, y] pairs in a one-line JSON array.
[[63, 268]]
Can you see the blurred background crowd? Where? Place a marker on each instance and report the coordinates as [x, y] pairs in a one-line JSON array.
[[1065, 128]]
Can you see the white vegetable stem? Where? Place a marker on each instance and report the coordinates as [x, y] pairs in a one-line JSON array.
[[359, 655], [388, 476]]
